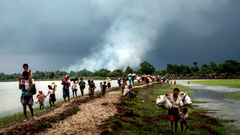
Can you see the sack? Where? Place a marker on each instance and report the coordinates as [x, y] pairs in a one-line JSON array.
[[125, 92], [160, 101], [168, 104], [187, 101]]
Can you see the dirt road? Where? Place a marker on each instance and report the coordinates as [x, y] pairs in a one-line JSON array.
[[91, 115]]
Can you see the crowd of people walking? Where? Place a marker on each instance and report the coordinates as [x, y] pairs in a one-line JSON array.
[[28, 87]]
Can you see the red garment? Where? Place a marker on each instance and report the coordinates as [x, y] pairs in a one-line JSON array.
[[171, 118], [41, 96]]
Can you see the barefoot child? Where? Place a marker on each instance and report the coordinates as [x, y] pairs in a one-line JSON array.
[[41, 96], [91, 89], [104, 87], [183, 119], [52, 97], [82, 86], [74, 88]]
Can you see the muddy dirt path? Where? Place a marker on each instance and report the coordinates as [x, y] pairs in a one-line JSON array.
[[91, 115]]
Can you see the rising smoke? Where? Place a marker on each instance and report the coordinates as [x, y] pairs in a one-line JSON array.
[[137, 25]]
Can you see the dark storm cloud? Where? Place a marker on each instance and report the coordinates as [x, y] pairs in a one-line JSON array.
[[178, 46], [72, 35], [47, 35]]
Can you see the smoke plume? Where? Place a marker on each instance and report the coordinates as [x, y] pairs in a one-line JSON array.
[[136, 25]]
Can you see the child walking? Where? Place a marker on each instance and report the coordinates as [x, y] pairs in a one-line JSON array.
[[52, 97], [104, 89], [74, 88], [91, 89], [41, 98], [183, 119]]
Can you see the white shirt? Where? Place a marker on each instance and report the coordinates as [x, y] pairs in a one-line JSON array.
[[74, 85], [183, 117], [50, 92], [178, 102]]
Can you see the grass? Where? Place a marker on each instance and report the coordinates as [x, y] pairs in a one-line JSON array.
[[233, 95], [138, 117], [232, 83], [17, 117]]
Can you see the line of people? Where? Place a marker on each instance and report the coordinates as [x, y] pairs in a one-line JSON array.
[[28, 88]]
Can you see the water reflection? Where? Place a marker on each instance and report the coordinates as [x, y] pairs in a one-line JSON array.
[[10, 95], [223, 108]]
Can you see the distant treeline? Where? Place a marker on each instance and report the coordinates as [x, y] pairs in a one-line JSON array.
[[229, 67]]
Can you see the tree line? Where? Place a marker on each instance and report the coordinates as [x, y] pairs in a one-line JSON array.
[[229, 67]]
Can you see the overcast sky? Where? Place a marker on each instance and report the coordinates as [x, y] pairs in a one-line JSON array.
[[94, 34]]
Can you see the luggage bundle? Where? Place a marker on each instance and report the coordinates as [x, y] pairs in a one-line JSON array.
[[74, 79], [162, 101], [125, 92], [186, 99]]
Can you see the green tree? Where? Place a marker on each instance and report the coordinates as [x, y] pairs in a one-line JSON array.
[[229, 66], [147, 68], [51, 75], [195, 63], [72, 74], [170, 68], [116, 73], [84, 73], [128, 70], [102, 72]]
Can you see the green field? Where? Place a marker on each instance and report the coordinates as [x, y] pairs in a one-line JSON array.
[[141, 116], [232, 83]]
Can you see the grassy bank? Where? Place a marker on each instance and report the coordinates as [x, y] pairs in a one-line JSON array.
[[141, 116], [232, 83]]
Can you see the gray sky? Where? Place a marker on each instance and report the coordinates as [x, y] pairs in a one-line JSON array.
[[94, 34]]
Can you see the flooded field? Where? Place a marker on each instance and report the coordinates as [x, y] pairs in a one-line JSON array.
[[221, 107]]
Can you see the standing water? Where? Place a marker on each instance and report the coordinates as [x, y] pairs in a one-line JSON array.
[[222, 107], [10, 94]]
